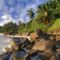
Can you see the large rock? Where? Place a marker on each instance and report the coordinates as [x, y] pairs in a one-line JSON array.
[[58, 50], [36, 55], [41, 45], [33, 36]]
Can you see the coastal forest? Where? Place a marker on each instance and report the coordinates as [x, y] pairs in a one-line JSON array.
[[46, 17]]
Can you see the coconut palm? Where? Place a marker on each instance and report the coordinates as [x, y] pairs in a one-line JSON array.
[[31, 13]]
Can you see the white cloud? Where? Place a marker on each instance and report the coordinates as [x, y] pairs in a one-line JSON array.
[[2, 23], [6, 19]]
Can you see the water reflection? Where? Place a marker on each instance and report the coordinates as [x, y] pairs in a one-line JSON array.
[[4, 42]]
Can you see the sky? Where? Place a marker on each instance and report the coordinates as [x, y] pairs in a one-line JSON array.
[[16, 10]]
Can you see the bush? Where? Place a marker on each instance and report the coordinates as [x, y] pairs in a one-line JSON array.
[[35, 25], [56, 25]]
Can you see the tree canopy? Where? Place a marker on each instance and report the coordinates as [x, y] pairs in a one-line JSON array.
[[10, 28]]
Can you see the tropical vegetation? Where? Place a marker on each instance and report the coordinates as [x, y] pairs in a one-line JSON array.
[[46, 18]]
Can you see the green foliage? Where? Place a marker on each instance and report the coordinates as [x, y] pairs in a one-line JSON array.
[[56, 25], [35, 25], [2, 30], [21, 28], [31, 27], [11, 28], [31, 13], [45, 16]]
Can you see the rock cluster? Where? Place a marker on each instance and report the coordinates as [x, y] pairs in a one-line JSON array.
[[47, 46], [42, 46]]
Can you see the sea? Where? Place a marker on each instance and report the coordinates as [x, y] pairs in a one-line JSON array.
[[4, 42]]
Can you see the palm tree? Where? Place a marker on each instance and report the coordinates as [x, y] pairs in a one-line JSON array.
[[42, 13], [31, 13], [46, 11]]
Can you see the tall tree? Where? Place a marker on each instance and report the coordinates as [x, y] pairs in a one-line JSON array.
[[11, 28]]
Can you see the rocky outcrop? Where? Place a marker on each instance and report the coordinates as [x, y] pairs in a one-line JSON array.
[[34, 36], [46, 45], [41, 46]]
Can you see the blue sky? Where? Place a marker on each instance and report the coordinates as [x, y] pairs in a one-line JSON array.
[[16, 10]]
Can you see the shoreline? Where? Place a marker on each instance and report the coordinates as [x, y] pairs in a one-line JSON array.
[[1, 33]]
